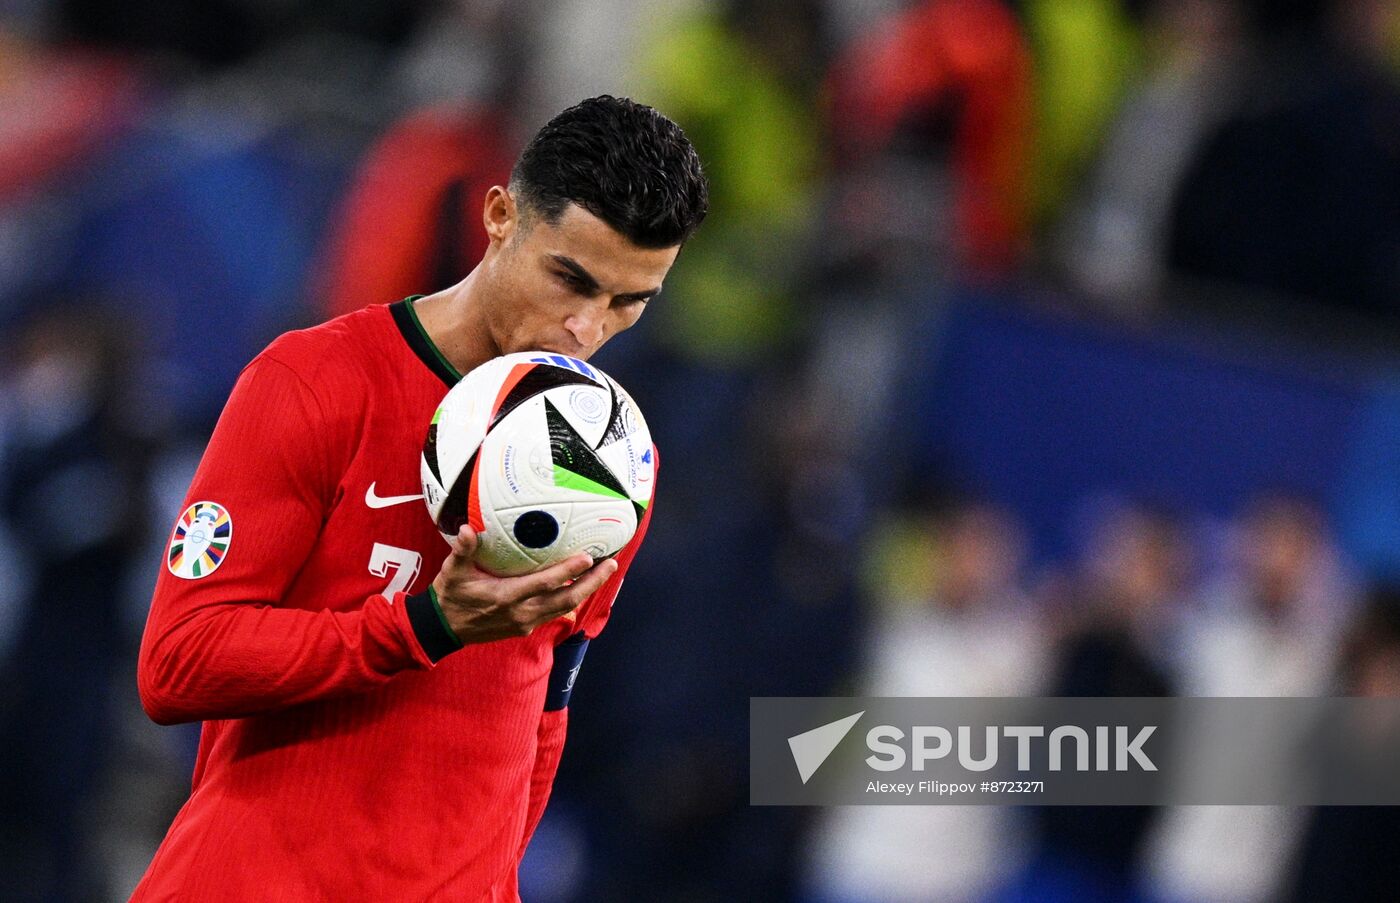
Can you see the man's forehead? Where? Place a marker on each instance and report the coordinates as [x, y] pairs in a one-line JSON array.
[[584, 238]]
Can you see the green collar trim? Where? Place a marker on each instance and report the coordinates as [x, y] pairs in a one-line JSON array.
[[417, 337]]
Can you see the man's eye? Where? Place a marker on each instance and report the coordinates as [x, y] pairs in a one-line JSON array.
[[572, 281]]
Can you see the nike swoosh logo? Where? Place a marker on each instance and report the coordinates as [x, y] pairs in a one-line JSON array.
[[385, 501]]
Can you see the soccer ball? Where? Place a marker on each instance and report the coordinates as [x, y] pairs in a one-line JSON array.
[[543, 456]]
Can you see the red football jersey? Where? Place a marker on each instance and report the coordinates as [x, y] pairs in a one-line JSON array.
[[350, 750]]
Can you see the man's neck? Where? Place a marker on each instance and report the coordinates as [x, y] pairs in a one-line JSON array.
[[454, 322]]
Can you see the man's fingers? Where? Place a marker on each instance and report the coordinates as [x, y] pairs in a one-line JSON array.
[[567, 598], [512, 606], [551, 578], [592, 581]]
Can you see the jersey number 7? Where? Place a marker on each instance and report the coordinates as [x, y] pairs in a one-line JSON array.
[[405, 563]]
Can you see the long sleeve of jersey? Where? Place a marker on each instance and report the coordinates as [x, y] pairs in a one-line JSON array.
[[223, 645]]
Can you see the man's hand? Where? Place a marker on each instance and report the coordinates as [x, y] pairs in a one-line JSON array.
[[480, 607]]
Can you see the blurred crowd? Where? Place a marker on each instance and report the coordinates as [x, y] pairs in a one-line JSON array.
[[1154, 603], [181, 182]]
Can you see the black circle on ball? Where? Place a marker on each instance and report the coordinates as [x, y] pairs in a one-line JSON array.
[[536, 529]]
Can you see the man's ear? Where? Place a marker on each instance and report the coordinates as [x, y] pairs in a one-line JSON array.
[[501, 216]]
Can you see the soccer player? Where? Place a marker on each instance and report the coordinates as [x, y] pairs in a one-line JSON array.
[[383, 720]]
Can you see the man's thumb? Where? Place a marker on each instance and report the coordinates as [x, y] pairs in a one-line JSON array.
[[464, 543]]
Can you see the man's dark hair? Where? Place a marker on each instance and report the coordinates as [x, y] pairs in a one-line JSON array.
[[623, 162]]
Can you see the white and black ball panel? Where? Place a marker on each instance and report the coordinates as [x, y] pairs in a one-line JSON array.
[[459, 425], [575, 456], [626, 447], [625, 419], [521, 457], [635, 466], [586, 408], [447, 506], [433, 492]]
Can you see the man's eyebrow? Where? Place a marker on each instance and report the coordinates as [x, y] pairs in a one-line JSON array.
[[582, 275], [579, 272]]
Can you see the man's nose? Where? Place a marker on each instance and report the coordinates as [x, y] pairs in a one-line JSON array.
[[587, 326]]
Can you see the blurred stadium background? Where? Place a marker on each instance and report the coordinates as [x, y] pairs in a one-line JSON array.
[[1032, 347]]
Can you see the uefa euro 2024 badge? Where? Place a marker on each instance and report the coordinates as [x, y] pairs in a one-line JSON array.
[[200, 541]]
